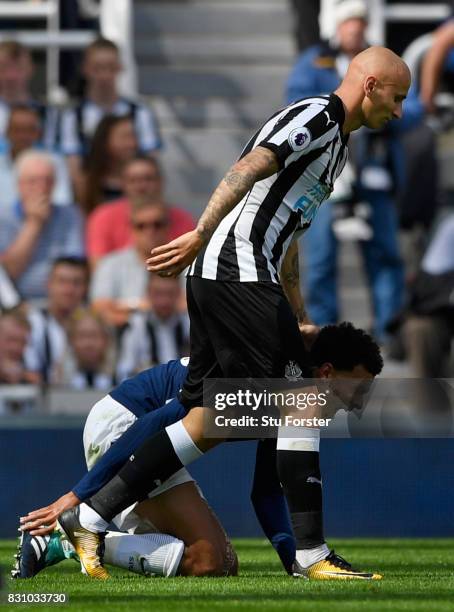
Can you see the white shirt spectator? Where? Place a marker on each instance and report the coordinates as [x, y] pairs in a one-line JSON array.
[[121, 275]]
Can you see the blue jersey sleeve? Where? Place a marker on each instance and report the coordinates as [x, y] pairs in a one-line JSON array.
[[118, 453], [151, 388], [269, 503]]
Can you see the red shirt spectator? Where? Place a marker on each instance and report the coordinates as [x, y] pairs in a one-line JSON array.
[[109, 226]]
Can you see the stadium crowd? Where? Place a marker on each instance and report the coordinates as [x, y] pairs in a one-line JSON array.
[[82, 203]]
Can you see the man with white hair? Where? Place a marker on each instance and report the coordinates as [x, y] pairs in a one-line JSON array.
[[36, 231]]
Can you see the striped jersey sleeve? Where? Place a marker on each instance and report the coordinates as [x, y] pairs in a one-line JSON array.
[[298, 130]]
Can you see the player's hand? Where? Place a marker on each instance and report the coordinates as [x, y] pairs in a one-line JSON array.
[[309, 331], [44, 520], [170, 259]]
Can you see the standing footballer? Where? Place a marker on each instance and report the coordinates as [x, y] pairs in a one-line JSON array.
[[247, 314]]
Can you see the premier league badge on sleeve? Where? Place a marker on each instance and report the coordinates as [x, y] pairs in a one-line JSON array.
[[299, 139]]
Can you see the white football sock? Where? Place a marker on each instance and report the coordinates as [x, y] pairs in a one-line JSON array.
[[91, 520], [308, 556], [155, 554], [182, 443]]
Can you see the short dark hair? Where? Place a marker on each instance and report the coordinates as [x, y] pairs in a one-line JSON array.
[[345, 346], [100, 43], [75, 262]]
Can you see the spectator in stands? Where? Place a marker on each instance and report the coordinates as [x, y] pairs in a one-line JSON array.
[[362, 205], [24, 132], [14, 333], [113, 145], [36, 231], [157, 335], [66, 289], [89, 361], [101, 67], [434, 62], [16, 70], [109, 227], [119, 281], [429, 322]]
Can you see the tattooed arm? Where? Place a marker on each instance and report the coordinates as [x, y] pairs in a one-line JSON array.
[[290, 281], [255, 166], [170, 259]]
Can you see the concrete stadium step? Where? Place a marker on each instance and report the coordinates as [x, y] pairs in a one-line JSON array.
[[232, 82], [214, 48], [177, 112], [201, 17], [195, 160]]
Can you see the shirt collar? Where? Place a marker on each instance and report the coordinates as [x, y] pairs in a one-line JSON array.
[[338, 108]]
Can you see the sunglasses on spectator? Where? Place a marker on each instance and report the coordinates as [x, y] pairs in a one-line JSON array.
[[156, 225]]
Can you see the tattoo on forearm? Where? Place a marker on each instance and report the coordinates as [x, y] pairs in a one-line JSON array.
[[239, 182], [292, 276], [240, 179]]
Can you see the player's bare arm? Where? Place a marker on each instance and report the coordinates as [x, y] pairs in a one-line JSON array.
[[255, 166], [290, 281], [170, 259]]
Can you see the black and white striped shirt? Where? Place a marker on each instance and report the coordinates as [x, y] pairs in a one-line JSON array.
[[251, 241]]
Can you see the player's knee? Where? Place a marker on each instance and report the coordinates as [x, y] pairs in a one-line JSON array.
[[203, 558]]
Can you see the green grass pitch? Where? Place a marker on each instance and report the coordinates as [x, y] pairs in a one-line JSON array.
[[418, 575]]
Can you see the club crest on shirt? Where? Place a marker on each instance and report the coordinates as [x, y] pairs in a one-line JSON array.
[[293, 371], [299, 139]]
